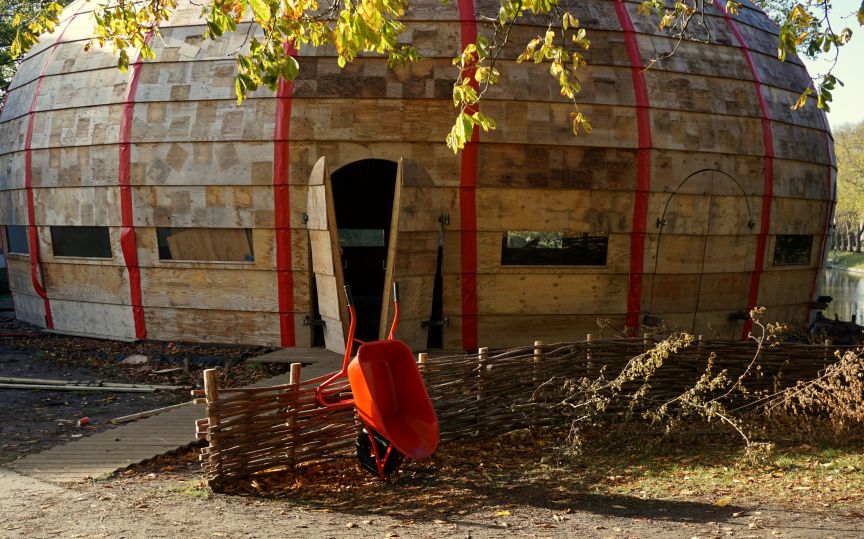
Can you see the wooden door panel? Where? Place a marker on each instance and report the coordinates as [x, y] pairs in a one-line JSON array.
[[326, 259], [412, 254]]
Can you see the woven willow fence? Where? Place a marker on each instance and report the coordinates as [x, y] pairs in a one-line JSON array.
[[475, 396]]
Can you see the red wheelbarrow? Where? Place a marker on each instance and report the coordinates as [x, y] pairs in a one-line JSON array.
[[390, 399]]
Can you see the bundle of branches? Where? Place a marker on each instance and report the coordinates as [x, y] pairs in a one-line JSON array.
[[680, 383]]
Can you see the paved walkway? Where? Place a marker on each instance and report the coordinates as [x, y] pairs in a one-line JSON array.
[[123, 446]]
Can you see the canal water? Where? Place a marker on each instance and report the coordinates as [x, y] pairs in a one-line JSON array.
[[847, 289]]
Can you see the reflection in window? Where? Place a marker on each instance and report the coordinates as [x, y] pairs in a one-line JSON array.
[[206, 244], [792, 249], [540, 248], [361, 237], [16, 238], [82, 241]]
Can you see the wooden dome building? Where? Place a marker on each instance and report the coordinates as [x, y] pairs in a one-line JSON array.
[[151, 204]]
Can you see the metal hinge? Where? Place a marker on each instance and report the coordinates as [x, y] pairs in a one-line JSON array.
[[444, 218], [444, 322], [304, 217], [307, 321]]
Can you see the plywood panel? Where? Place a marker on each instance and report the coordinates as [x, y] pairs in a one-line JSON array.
[[671, 167], [199, 325], [195, 163], [788, 287], [545, 294], [553, 210], [679, 130], [82, 166], [100, 284], [19, 275], [77, 127], [29, 308], [798, 216], [219, 289], [78, 206], [97, 319], [209, 206], [216, 120], [557, 167]]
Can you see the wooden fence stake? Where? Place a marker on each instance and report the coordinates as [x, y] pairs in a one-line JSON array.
[[421, 361], [828, 356], [482, 359], [538, 362], [294, 382], [211, 393], [646, 341], [589, 364]]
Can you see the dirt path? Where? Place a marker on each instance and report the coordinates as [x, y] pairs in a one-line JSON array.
[[151, 507]]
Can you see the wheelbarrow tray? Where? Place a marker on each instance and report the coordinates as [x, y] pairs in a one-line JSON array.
[[390, 397]]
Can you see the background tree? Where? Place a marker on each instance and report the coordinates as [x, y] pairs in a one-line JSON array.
[[849, 216], [25, 10], [281, 27]]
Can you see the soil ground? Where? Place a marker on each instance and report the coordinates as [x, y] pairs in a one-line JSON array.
[[522, 484]]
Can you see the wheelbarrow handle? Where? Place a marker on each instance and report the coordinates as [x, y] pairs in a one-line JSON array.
[[348, 297], [395, 291]]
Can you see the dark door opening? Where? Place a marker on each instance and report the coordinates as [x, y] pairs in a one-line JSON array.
[[363, 202]]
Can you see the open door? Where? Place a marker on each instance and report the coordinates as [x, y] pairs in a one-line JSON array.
[[412, 254], [326, 258]]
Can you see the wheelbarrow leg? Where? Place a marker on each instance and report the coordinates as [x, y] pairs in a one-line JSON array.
[[391, 458]]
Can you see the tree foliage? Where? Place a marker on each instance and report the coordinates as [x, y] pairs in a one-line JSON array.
[[849, 215], [280, 28], [13, 13]]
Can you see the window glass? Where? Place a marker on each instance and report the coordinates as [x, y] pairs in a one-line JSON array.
[[542, 248], [16, 237], [205, 244], [361, 237], [791, 249], [83, 241]]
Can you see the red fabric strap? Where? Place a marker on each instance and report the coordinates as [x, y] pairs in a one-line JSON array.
[[282, 206], [643, 167], [468, 198]]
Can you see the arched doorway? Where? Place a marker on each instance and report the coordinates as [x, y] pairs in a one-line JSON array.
[[704, 254], [374, 222], [363, 203]]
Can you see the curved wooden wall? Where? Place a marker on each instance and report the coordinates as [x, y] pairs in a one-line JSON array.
[[197, 159]]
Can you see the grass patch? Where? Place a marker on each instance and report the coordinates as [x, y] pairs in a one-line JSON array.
[[190, 489], [714, 470], [846, 260], [539, 468]]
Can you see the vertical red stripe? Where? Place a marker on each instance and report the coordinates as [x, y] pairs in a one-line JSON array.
[[282, 202], [767, 137], [643, 167], [127, 231], [831, 190], [32, 232], [468, 198]]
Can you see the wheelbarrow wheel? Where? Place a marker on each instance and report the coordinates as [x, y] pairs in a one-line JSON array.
[[367, 457]]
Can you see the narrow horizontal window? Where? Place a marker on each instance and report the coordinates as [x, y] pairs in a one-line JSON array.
[[361, 237], [205, 244], [83, 241], [792, 249], [16, 238], [536, 248]]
